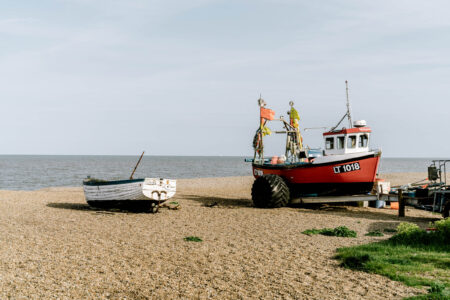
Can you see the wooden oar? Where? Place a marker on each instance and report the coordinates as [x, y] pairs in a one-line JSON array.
[[131, 177]]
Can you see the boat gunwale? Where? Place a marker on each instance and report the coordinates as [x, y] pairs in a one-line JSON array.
[[112, 182], [312, 165]]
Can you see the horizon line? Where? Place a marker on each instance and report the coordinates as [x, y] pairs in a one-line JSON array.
[[196, 155]]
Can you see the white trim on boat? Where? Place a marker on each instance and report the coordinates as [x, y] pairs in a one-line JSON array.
[[340, 157]]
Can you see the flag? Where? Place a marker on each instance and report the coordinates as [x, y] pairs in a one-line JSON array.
[[294, 116], [266, 130], [267, 114]]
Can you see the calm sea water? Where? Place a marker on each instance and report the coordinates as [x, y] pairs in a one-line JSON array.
[[29, 172]]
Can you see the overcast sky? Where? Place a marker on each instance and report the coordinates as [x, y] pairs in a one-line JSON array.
[[183, 77]]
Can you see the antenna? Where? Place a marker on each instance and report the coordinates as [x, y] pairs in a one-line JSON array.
[[349, 114]]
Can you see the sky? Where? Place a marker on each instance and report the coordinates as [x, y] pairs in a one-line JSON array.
[[113, 77]]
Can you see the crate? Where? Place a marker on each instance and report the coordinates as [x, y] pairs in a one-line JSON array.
[[383, 187]]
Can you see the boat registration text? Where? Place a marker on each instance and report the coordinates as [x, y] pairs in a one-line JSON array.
[[346, 168]]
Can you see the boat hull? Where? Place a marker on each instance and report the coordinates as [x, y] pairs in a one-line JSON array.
[[130, 205], [132, 194], [341, 175]]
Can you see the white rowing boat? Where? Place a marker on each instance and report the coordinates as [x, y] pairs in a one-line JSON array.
[[142, 194]]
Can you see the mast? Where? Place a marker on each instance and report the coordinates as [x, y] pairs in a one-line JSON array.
[[349, 114], [131, 177], [261, 103]]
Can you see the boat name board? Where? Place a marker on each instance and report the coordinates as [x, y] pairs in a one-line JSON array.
[[346, 168]]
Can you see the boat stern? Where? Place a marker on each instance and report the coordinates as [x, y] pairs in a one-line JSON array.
[[159, 189]]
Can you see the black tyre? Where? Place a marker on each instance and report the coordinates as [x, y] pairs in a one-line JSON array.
[[446, 210], [270, 191]]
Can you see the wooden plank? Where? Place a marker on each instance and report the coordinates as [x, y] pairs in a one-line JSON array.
[[127, 191]]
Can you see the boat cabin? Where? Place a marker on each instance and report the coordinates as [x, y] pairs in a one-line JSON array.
[[345, 141]]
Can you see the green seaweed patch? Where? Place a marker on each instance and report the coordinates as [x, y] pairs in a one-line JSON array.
[[313, 231], [374, 233], [390, 230], [341, 231], [193, 239], [173, 203]]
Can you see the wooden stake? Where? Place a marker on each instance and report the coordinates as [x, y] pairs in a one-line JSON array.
[[401, 204], [131, 177]]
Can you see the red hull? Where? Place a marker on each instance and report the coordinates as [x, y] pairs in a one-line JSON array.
[[349, 176]]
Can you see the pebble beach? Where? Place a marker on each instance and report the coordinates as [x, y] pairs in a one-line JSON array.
[[55, 246]]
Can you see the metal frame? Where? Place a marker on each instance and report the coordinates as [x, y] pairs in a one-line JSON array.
[[441, 200], [440, 165], [334, 199], [293, 146]]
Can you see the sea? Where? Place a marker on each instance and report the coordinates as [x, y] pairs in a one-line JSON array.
[[32, 172]]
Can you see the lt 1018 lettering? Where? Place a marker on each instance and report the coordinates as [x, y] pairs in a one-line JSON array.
[[347, 168]]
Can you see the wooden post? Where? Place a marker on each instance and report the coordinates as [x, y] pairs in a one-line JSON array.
[[401, 204]]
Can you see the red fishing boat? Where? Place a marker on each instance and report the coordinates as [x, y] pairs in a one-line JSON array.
[[346, 166]]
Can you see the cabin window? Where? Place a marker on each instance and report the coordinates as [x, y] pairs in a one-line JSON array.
[[351, 141], [363, 141], [329, 143], [341, 142]]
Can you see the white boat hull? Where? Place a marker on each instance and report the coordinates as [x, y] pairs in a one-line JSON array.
[[137, 191]]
